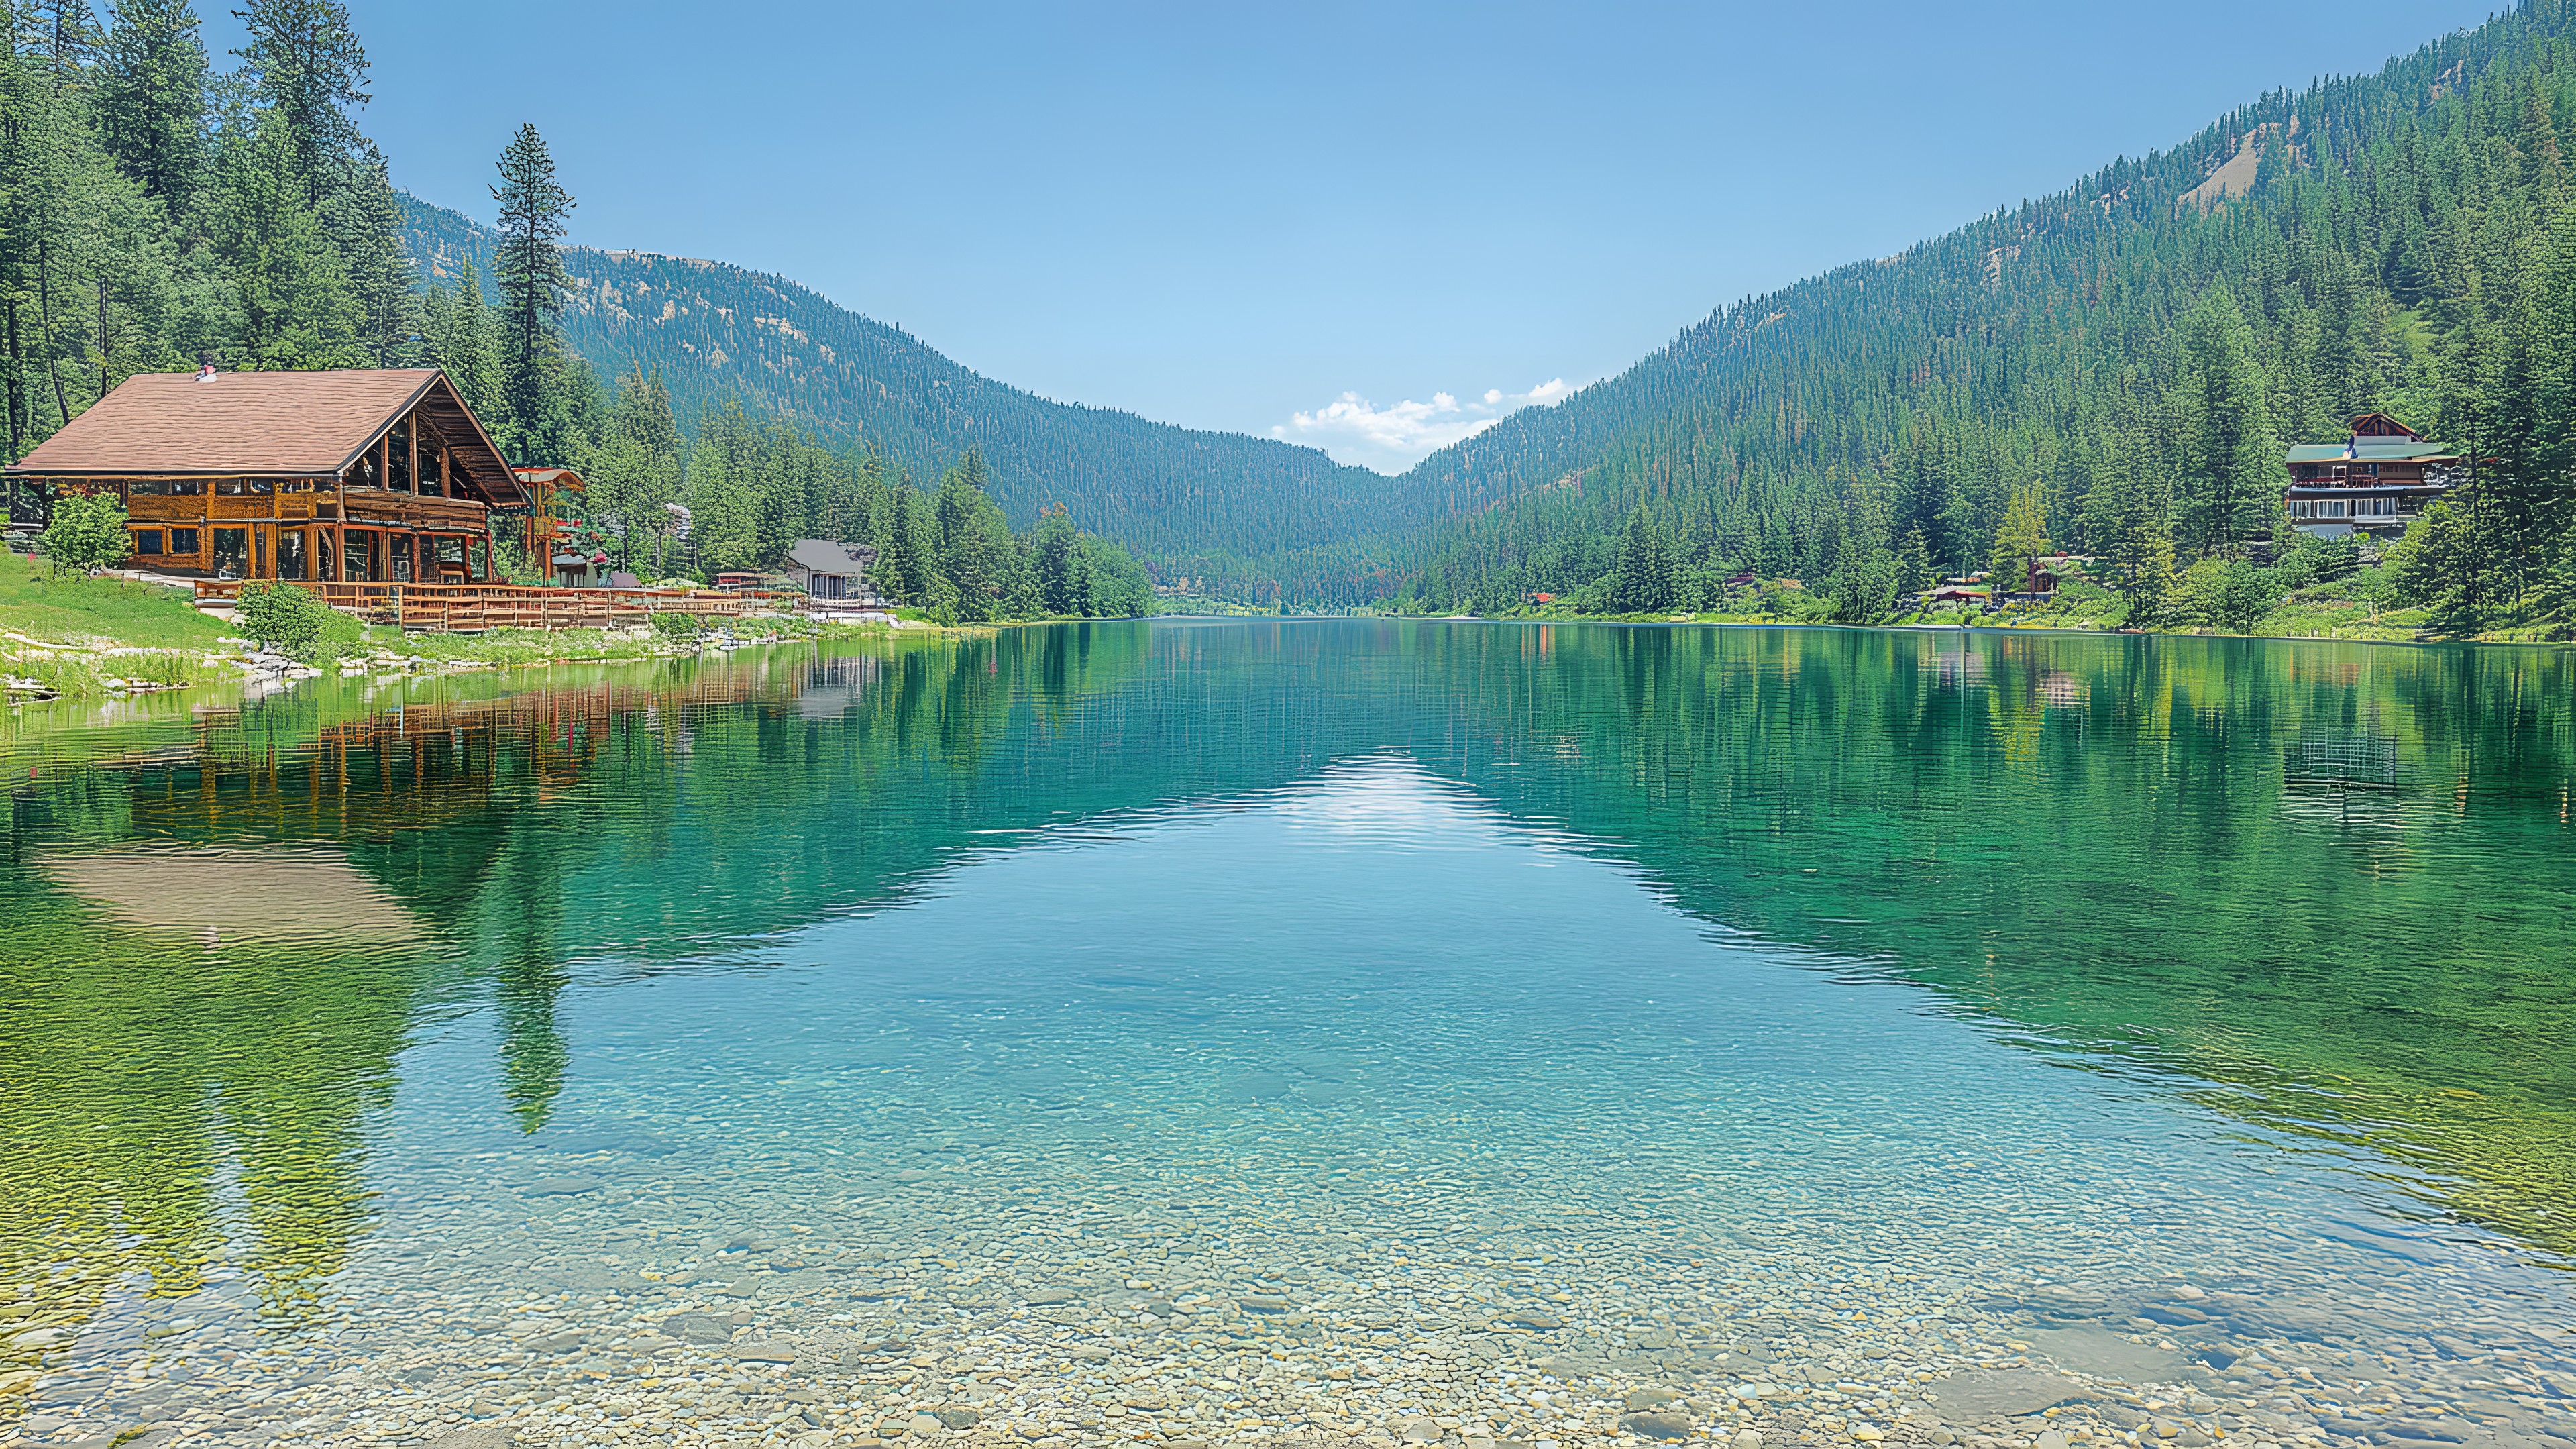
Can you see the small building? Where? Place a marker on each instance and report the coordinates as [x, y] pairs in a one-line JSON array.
[[829, 571], [367, 475], [543, 538], [2378, 480]]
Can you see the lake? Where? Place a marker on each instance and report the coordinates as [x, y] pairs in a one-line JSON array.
[[1211, 1032]]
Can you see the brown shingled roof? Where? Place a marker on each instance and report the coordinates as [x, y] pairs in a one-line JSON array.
[[262, 424]]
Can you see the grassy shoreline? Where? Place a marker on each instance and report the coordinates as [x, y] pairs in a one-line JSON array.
[[2308, 614], [75, 637]]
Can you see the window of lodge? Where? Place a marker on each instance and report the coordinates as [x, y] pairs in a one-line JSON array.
[[147, 542], [183, 540]]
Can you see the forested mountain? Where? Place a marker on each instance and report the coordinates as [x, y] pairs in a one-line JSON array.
[[713, 332], [2126, 358], [2114, 368]]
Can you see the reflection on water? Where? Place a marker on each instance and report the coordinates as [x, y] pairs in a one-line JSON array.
[[370, 1015]]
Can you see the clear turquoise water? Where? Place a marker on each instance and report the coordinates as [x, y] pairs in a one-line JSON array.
[[1696, 991]]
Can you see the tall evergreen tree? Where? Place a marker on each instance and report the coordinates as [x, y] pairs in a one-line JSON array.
[[458, 333], [305, 63], [364, 221], [1645, 583], [152, 99], [2233, 461], [2019, 541], [529, 267]]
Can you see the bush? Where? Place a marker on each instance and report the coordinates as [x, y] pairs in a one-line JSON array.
[[677, 626], [294, 622], [2227, 594], [87, 533]]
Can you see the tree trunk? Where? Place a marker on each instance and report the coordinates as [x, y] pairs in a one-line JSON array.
[[45, 318]]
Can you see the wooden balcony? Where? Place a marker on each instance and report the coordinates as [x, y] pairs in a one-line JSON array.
[[189, 508], [386, 508]]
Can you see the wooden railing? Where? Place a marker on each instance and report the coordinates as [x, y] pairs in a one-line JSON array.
[[198, 509], [408, 510], [450, 608]]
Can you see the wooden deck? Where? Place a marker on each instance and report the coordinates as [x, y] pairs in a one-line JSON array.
[[472, 608]]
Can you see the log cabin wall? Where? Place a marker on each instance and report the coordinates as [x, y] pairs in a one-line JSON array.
[[361, 475]]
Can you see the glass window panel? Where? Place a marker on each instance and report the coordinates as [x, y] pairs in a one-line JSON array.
[[147, 542], [183, 540]]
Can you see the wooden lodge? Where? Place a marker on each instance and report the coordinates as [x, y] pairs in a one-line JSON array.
[[2378, 480], [366, 476]]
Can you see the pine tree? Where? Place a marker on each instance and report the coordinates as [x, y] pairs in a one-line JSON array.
[[307, 67], [1645, 576], [1057, 563], [298, 310], [2233, 465], [152, 99], [460, 339], [529, 267], [2020, 540], [974, 541], [364, 221], [635, 474]]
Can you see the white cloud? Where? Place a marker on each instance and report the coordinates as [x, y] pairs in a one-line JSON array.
[[1393, 438]]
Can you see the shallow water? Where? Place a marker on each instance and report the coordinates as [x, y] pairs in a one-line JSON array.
[[1116, 1031]]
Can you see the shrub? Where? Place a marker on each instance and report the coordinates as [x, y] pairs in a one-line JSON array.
[[2227, 594], [294, 622], [87, 533], [677, 626]]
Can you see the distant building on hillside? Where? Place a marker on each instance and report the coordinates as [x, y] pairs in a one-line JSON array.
[[2378, 480], [829, 571], [358, 476]]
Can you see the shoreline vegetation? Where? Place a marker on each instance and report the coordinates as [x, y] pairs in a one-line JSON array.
[[83, 637], [71, 636]]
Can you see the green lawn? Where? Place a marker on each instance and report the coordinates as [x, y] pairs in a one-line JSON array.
[[73, 609]]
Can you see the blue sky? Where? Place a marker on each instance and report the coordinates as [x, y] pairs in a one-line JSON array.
[[1367, 227]]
